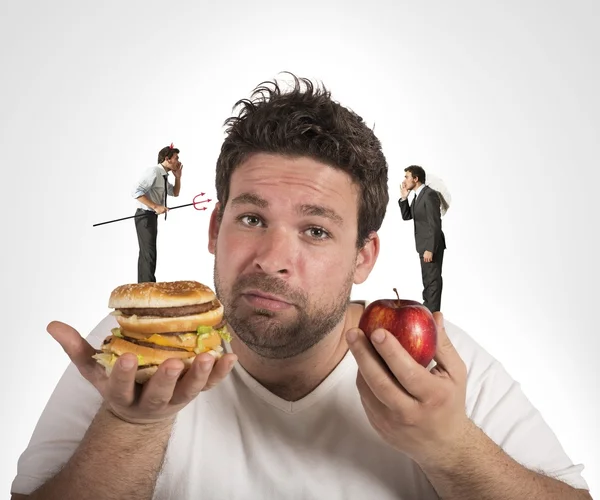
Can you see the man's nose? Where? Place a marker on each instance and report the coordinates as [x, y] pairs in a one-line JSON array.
[[276, 252]]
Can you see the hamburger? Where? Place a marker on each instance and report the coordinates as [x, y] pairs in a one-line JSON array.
[[163, 320]]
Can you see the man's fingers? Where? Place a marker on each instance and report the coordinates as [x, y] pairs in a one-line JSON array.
[[194, 381], [412, 377], [446, 355], [71, 341], [380, 371], [121, 383], [78, 349], [220, 370], [204, 373], [369, 400], [158, 391]]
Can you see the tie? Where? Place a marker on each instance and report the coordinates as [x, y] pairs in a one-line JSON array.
[[165, 178], [412, 206]]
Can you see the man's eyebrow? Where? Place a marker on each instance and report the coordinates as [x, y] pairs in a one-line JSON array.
[[249, 199], [305, 209], [321, 211]]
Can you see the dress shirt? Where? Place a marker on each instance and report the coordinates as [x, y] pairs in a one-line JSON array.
[[152, 184]]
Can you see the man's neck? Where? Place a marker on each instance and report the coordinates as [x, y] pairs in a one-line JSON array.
[[292, 379]]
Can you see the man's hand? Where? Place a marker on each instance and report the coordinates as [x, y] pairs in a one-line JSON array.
[[177, 170], [160, 209], [427, 256], [418, 412], [160, 398], [403, 190]]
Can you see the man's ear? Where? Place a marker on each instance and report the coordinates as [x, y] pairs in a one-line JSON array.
[[366, 258], [213, 228]]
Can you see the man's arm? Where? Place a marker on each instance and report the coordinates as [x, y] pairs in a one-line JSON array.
[[159, 209], [434, 220], [148, 202], [144, 184], [174, 190], [403, 202], [478, 469], [404, 209], [119, 452], [115, 460], [421, 413]]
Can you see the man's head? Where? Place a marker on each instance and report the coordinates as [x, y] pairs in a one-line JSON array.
[[169, 157], [414, 176], [307, 122], [302, 189]]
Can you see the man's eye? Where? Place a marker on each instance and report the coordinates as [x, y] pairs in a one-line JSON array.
[[318, 233], [250, 220]]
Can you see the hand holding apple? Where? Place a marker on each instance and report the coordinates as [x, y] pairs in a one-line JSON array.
[[407, 320], [419, 412]]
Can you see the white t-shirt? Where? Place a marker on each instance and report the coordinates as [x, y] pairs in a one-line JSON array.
[[239, 441]]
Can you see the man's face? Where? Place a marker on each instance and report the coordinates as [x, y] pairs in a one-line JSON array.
[[173, 162], [285, 252], [409, 181]]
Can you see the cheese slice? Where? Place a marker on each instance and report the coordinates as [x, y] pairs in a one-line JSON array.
[[187, 341]]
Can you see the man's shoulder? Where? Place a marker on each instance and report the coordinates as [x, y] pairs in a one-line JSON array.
[[153, 170], [428, 191]]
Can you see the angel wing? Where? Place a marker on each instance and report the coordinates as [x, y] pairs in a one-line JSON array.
[[439, 186]]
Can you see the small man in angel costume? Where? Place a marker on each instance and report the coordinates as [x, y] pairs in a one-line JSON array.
[[429, 203]]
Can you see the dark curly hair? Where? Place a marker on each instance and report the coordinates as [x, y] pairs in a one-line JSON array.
[[167, 153], [307, 122]]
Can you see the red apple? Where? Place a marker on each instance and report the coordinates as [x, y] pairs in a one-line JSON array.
[[407, 320]]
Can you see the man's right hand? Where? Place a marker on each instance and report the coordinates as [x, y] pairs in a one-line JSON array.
[[160, 209], [160, 398], [403, 191]]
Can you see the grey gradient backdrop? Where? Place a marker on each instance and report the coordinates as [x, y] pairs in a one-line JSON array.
[[499, 99]]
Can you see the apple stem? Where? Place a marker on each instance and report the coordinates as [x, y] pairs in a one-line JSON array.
[[397, 296]]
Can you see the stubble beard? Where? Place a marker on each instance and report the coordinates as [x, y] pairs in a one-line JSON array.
[[270, 334]]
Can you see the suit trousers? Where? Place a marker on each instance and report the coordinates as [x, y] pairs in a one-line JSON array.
[[431, 273], [147, 230]]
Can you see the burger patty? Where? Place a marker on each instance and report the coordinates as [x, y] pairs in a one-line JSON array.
[[154, 346], [221, 324], [145, 344], [170, 312]]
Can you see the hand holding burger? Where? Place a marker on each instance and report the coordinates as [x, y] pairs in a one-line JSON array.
[[172, 374], [159, 321]]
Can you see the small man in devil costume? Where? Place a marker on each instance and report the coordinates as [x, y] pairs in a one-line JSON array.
[[151, 194]]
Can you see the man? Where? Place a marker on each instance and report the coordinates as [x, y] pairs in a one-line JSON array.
[[309, 410], [151, 193], [425, 211]]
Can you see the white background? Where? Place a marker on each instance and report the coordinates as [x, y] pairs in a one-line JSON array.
[[500, 100]]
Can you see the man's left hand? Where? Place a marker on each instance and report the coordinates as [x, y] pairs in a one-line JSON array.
[[177, 171], [418, 412], [427, 256]]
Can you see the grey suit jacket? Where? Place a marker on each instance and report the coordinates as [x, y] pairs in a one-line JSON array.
[[427, 220]]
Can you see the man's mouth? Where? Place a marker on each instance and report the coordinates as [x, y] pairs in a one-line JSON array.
[[262, 300]]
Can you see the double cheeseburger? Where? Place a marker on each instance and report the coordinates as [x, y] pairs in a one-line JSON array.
[[158, 321]]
